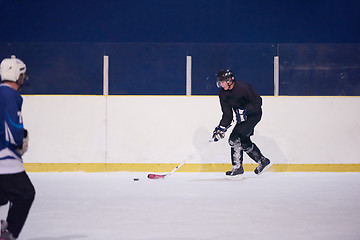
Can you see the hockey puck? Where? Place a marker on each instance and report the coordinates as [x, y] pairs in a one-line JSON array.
[[136, 179]]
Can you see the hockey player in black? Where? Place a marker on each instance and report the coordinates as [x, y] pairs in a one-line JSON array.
[[241, 98]]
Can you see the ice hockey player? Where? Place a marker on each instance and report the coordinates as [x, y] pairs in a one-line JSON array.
[[241, 98], [15, 185]]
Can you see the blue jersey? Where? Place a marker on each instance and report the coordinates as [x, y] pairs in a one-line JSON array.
[[11, 124]]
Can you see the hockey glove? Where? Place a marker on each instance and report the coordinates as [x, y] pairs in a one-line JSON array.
[[219, 133], [24, 147], [241, 115]]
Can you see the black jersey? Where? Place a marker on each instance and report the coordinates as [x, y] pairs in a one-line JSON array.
[[244, 96]]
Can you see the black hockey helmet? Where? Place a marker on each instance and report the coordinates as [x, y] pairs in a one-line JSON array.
[[224, 75]]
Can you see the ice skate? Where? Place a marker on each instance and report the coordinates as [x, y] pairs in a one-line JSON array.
[[236, 172], [5, 234], [264, 164], [3, 226]]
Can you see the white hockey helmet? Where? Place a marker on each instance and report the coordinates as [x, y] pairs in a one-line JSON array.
[[11, 69]]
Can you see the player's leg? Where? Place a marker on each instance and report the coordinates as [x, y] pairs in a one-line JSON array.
[[254, 153], [240, 131], [21, 194], [236, 155], [3, 198], [245, 130], [3, 201], [241, 135], [4, 233]]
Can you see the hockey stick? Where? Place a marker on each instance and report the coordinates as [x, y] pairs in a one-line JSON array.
[[163, 176]]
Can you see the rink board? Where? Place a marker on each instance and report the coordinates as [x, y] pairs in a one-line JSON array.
[[190, 167], [155, 133]]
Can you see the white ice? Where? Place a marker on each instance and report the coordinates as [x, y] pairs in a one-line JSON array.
[[194, 206]]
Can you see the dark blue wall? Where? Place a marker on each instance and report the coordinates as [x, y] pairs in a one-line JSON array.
[[205, 21], [63, 43], [140, 68], [319, 69], [160, 68], [150, 68]]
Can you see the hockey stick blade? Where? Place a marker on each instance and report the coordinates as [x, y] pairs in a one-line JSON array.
[[163, 176], [156, 176]]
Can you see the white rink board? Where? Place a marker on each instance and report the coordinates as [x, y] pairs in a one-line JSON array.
[[167, 129], [310, 129], [163, 129], [65, 129]]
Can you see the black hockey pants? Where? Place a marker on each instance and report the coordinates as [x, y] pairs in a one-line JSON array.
[[240, 141], [19, 191]]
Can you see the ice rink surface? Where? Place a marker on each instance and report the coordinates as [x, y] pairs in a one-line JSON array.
[[193, 206]]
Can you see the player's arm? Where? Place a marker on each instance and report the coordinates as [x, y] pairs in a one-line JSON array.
[[253, 107], [254, 101], [14, 128], [225, 122], [227, 114]]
